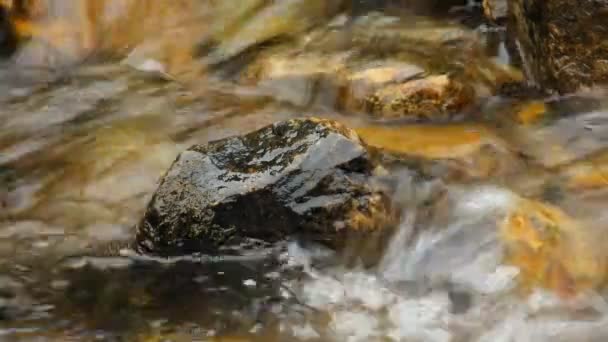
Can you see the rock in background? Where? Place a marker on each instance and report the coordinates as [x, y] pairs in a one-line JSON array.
[[564, 43]]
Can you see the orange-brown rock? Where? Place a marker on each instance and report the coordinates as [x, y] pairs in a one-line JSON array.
[[431, 99], [363, 83]]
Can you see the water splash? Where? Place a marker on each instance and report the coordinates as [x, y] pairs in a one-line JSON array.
[[446, 281]]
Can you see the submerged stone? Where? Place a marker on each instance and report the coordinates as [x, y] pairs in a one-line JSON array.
[[278, 18], [307, 178], [301, 80]]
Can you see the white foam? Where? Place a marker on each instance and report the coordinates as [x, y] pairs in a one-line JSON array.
[[466, 254], [451, 243], [367, 290], [425, 318], [323, 292], [305, 332], [354, 326]]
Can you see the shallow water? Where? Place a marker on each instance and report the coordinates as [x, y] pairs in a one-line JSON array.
[[81, 152]]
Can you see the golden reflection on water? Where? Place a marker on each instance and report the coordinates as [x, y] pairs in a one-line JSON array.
[[449, 141]]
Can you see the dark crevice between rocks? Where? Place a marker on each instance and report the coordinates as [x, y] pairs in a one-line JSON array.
[[8, 37]]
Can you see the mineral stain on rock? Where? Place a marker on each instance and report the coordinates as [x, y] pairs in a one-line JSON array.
[[430, 99], [304, 177]]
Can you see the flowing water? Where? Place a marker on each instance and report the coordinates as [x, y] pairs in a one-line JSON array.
[[82, 148]]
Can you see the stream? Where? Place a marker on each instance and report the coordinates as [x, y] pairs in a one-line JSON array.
[[83, 146]]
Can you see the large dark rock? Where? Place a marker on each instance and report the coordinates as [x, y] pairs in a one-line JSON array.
[[563, 43], [306, 178]]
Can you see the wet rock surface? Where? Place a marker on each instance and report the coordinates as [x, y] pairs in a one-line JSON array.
[[304, 177], [431, 99], [563, 42]]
